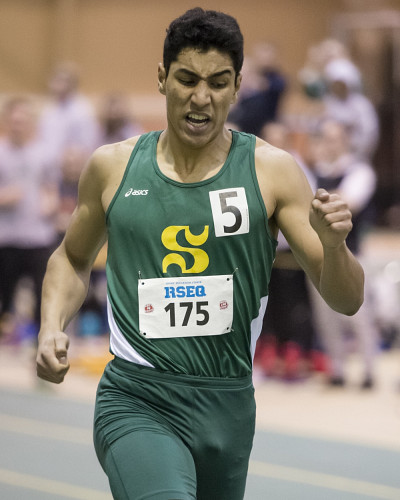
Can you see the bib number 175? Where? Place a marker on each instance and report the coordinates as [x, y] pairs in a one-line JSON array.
[[185, 310]]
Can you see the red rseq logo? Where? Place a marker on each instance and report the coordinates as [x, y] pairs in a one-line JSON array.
[[223, 304]]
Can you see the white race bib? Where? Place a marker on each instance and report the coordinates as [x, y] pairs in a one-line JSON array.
[[230, 211], [185, 307]]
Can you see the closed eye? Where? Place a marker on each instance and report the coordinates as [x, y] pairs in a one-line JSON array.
[[187, 82], [219, 85]]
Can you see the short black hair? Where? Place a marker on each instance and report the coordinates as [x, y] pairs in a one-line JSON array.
[[204, 30]]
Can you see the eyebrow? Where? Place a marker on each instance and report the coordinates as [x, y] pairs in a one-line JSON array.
[[214, 75]]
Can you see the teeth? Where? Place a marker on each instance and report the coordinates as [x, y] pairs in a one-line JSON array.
[[193, 116]]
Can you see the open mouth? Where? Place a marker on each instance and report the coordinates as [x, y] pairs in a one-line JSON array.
[[197, 120]]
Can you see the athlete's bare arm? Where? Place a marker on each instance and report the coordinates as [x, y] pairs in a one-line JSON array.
[[315, 226], [68, 272]]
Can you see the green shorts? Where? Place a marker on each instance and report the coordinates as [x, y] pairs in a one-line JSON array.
[[162, 436]]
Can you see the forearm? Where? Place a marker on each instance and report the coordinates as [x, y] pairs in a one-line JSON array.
[[67, 276], [342, 280], [64, 291]]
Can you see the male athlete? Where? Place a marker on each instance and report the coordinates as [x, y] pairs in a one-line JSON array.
[[190, 214]]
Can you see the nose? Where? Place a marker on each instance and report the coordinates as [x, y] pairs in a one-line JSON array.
[[201, 94]]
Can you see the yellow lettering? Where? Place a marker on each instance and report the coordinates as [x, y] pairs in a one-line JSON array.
[[169, 240]]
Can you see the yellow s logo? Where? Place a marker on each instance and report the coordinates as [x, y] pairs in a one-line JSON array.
[[169, 240]]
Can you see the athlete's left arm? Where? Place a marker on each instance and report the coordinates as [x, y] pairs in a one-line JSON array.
[[315, 226]]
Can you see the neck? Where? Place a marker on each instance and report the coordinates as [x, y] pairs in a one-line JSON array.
[[189, 164]]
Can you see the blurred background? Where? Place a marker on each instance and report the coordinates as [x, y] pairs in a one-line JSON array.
[[321, 80]]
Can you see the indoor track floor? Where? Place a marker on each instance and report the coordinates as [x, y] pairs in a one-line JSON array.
[[312, 443]]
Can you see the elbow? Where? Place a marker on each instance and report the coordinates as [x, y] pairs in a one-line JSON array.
[[354, 298], [352, 311], [346, 301], [358, 298], [352, 307], [355, 309]]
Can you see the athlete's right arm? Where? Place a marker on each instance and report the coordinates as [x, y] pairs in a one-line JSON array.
[[67, 276]]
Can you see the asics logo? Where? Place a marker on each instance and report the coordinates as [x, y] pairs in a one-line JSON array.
[[136, 192]]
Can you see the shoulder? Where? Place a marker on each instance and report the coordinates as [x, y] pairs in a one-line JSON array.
[[267, 155], [105, 168], [275, 165], [111, 156], [281, 179], [108, 162]]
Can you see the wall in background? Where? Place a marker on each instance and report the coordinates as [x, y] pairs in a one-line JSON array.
[[118, 43]]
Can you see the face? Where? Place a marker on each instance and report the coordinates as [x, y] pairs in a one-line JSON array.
[[332, 142], [200, 88], [339, 89], [61, 84], [20, 123]]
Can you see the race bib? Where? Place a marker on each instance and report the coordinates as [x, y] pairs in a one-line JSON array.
[[230, 211], [185, 307]]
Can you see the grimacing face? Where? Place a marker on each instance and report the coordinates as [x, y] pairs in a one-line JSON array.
[[199, 89]]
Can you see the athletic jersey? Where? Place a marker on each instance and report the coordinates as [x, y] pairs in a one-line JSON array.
[[188, 265]]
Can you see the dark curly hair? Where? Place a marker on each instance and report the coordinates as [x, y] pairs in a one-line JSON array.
[[204, 30]]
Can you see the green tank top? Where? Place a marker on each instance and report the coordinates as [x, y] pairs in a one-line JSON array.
[[188, 265]]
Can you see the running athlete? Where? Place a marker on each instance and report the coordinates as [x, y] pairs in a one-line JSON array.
[[191, 215]]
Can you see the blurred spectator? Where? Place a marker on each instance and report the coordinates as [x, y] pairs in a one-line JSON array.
[[263, 85], [69, 118], [28, 204], [339, 170], [345, 103], [311, 76], [116, 120], [331, 76], [286, 345]]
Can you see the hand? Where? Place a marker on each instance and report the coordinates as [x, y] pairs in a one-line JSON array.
[[330, 217], [52, 361]]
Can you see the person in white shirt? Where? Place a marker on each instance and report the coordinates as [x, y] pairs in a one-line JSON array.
[[28, 206], [68, 119], [345, 102], [339, 170]]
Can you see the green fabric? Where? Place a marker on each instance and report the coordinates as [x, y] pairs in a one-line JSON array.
[[164, 436], [144, 206]]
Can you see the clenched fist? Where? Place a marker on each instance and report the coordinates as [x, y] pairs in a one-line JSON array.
[[51, 361], [330, 217]]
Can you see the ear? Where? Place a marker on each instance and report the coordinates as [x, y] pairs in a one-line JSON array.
[[161, 78], [237, 88]]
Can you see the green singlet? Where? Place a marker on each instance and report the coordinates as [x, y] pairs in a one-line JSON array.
[[188, 265]]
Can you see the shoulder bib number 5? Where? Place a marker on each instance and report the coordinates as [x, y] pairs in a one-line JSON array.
[[230, 211]]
